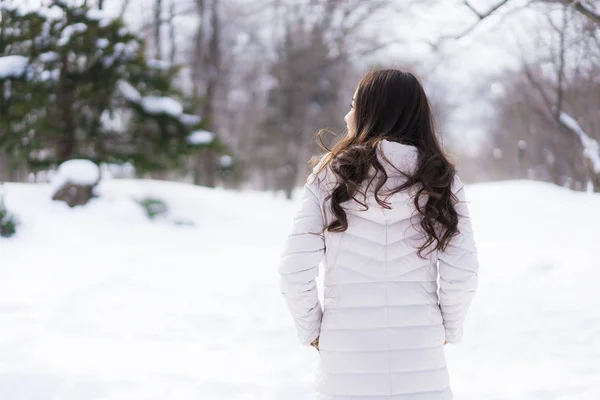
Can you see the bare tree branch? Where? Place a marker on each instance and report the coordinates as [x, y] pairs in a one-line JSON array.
[[584, 8], [124, 7], [479, 15], [579, 5], [538, 86], [561, 66], [149, 25]]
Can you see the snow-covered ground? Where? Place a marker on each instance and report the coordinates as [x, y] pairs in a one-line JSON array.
[[98, 303]]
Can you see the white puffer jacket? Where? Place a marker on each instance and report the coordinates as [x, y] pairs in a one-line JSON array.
[[382, 327]]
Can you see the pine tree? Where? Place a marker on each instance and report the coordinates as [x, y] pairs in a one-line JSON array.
[[77, 84]]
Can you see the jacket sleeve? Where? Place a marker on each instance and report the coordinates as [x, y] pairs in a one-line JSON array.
[[458, 268], [299, 265]]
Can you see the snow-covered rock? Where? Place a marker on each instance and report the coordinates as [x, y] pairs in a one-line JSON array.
[[79, 172], [200, 137], [12, 66], [75, 182]]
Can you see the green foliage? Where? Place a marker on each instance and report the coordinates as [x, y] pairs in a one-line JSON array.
[[8, 222], [68, 103], [153, 207]]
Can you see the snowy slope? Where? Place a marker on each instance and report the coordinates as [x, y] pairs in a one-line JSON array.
[[99, 303]]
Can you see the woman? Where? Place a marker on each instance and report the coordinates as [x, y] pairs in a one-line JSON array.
[[386, 213]]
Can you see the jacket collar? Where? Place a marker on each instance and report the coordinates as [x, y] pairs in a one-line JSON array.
[[403, 157]]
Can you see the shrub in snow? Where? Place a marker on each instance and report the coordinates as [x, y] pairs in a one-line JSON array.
[[75, 182], [156, 208], [8, 222], [153, 207]]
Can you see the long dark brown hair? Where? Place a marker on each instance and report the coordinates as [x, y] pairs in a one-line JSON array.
[[392, 105]]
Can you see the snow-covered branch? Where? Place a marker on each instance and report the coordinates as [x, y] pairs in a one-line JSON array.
[[591, 148], [157, 104]]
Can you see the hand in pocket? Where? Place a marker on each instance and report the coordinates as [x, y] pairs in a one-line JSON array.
[[315, 343]]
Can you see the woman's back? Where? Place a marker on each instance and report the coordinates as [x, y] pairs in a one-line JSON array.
[[385, 220], [381, 312]]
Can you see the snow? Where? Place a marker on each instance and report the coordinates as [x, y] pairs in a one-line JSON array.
[[102, 43], [12, 66], [225, 161], [112, 121], [79, 172], [45, 75], [190, 119], [162, 105], [125, 51], [95, 14], [591, 148], [128, 50], [105, 22], [200, 137], [125, 170], [129, 92], [69, 30], [158, 64], [100, 303], [49, 56], [152, 104], [101, 16], [4, 5]]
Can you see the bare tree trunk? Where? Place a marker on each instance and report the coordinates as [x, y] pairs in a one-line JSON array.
[[173, 51], [213, 63], [205, 171], [197, 67], [4, 168], [595, 179], [124, 8], [64, 97], [197, 61], [157, 26]]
